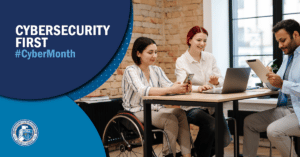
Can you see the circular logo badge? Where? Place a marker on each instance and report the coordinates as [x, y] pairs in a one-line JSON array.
[[24, 132]]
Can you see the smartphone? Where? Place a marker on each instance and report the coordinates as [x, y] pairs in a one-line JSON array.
[[188, 78]]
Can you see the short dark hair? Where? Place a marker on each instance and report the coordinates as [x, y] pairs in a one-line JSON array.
[[140, 45], [193, 31], [289, 25]]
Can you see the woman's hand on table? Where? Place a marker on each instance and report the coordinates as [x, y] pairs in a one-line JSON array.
[[204, 87]]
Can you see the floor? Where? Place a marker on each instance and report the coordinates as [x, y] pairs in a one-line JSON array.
[[263, 151]]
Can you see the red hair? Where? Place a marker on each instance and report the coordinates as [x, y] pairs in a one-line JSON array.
[[193, 31]]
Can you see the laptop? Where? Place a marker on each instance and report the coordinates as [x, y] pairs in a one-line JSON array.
[[236, 80]]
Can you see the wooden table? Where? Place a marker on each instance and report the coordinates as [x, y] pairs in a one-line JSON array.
[[199, 99]]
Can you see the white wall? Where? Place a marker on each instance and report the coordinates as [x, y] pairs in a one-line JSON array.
[[216, 21]]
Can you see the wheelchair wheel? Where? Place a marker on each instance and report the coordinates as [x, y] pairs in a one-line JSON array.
[[123, 136]]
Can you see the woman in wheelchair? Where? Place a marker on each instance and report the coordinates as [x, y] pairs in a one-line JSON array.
[[144, 79]]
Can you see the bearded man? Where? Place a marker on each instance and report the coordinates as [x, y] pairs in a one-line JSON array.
[[282, 121]]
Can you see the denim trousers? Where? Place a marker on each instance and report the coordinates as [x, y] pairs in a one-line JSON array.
[[204, 143]]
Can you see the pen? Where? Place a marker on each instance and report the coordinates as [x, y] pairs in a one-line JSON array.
[[271, 62]]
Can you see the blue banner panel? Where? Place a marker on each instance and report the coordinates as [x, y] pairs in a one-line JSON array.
[[49, 48], [47, 128]]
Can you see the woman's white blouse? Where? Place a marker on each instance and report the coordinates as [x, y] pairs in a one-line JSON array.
[[135, 85], [202, 70]]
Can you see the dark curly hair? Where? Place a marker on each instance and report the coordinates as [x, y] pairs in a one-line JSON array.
[[289, 25]]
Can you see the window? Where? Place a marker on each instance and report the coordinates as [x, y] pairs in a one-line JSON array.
[[252, 31], [291, 9], [251, 23], [250, 28]]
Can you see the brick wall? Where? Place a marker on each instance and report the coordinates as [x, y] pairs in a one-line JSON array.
[[165, 21]]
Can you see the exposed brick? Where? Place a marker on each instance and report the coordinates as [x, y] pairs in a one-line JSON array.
[[183, 47], [174, 31], [137, 24], [131, 45], [146, 35], [138, 30], [92, 94], [169, 15], [132, 40], [190, 7], [105, 92], [157, 9], [120, 90], [120, 72], [146, 24], [152, 25], [171, 54], [174, 59], [168, 48], [143, 6], [158, 15], [137, 11], [174, 41], [200, 18], [173, 20], [138, 18], [198, 12], [193, 18], [119, 77], [104, 86], [114, 92], [145, 13], [183, 41], [151, 13], [150, 2], [160, 21], [168, 59], [170, 4], [176, 14], [123, 65], [197, 1], [159, 26], [136, 1], [135, 35], [112, 78], [188, 13], [116, 84], [198, 23], [185, 2], [168, 71], [168, 65], [162, 65]]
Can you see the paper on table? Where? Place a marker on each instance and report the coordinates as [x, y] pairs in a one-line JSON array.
[[260, 70]]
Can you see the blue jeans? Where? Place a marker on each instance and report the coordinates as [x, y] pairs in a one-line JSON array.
[[204, 142]]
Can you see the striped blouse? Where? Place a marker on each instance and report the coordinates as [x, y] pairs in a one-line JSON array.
[[135, 85]]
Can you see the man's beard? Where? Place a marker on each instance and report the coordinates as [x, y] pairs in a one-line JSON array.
[[291, 47]]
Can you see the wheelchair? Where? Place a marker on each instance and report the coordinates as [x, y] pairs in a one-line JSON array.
[[123, 136]]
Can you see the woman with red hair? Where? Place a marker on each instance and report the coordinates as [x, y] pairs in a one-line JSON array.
[[206, 75]]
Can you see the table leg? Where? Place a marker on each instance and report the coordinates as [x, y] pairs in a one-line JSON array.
[[219, 133], [147, 130], [236, 117]]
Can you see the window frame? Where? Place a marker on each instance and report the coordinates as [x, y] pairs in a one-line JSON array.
[[277, 16]]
